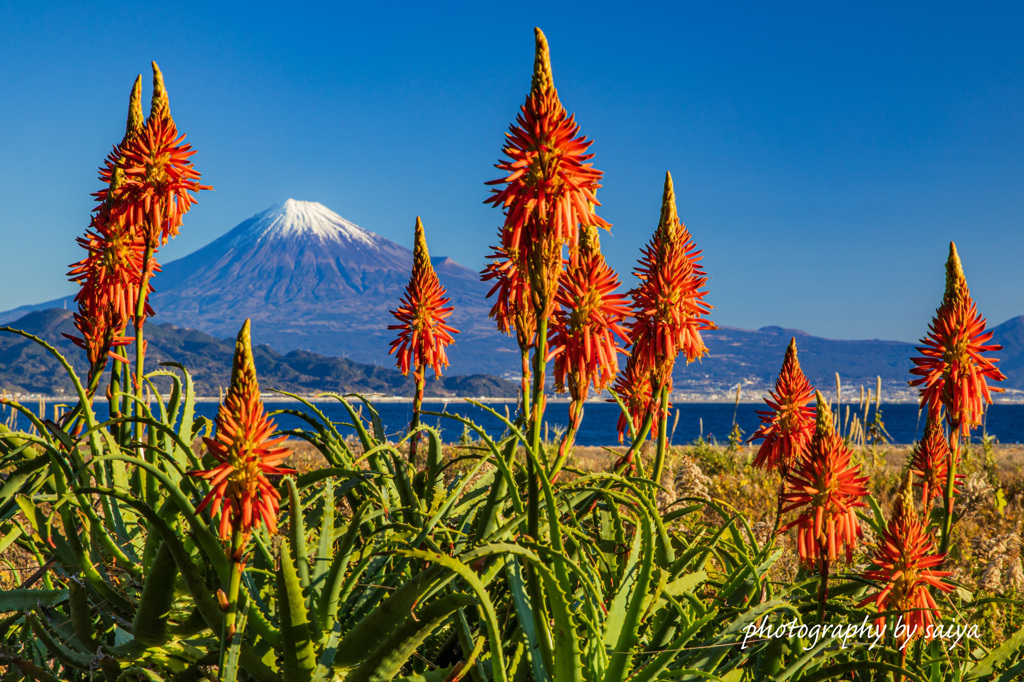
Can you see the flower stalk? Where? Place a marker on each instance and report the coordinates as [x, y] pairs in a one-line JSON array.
[[423, 333], [826, 488], [953, 371], [668, 315]]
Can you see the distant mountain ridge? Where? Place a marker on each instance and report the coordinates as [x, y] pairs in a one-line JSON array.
[[25, 367], [313, 281]]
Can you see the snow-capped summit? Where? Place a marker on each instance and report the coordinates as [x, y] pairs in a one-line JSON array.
[[293, 219], [309, 278]]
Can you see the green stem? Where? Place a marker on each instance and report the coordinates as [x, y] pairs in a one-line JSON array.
[[536, 419], [235, 582], [951, 458], [113, 406], [778, 509], [539, 370], [127, 406], [659, 457], [524, 386], [569, 438], [533, 584], [419, 374], [140, 344], [823, 583]]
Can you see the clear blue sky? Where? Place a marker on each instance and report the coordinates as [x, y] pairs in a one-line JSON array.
[[823, 156]]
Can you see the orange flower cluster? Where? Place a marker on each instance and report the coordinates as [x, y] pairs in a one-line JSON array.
[[246, 452], [110, 277], [633, 386], [550, 190], [669, 308], [904, 562], [158, 179], [668, 312], [513, 308], [787, 428], [930, 463], [827, 489], [590, 314], [424, 307], [148, 178], [952, 370]]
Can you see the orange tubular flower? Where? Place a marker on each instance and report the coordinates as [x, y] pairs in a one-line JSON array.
[[110, 275], [550, 186], [247, 453], [513, 308], [669, 305], [904, 561], [826, 488], [787, 428], [930, 462], [633, 386], [423, 333], [952, 371], [158, 173], [550, 190], [582, 338]]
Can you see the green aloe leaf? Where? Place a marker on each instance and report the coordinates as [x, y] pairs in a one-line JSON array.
[[325, 544], [387, 616], [397, 645], [623, 622], [27, 599], [299, 657], [81, 615], [327, 607], [150, 623], [297, 534], [987, 666]]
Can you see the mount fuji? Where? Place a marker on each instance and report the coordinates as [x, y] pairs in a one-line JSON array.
[[310, 279]]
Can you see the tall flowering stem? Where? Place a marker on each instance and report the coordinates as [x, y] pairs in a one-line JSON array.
[[246, 452], [825, 488], [155, 195], [423, 333], [953, 372], [669, 313], [548, 192], [787, 428], [903, 566], [110, 276], [583, 331]]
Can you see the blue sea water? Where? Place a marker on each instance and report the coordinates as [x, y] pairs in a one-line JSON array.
[[707, 420], [903, 422]]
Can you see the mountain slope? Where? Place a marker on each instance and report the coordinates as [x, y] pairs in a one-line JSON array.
[[309, 279], [26, 367]]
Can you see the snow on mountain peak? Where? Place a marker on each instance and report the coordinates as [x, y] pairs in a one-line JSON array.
[[293, 218]]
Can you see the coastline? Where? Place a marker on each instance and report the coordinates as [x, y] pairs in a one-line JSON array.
[[714, 399]]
